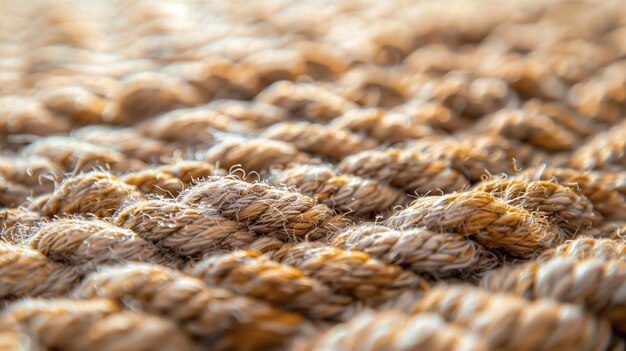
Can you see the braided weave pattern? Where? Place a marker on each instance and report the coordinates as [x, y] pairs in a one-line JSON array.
[[304, 175]]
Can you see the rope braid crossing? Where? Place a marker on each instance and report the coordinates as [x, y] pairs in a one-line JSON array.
[[215, 315], [247, 273], [96, 324], [400, 167], [345, 193], [481, 217], [596, 284], [421, 250], [393, 330], [265, 210], [123, 225]]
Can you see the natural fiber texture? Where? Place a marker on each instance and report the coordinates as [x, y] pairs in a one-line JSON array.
[[97, 193], [482, 217], [264, 209], [96, 324], [346, 193], [420, 250], [184, 230], [353, 273], [215, 315], [559, 203], [248, 273], [336, 175], [405, 169], [598, 285], [392, 330], [510, 323]]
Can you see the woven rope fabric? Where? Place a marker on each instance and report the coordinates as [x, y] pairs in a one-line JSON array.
[[312, 175]]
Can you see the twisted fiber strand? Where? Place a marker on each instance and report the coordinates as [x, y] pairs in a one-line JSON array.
[[600, 188], [265, 210], [432, 113], [408, 170], [393, 330], [96, 324], [586, 248], [579, 125], [76, 103], [309, 101], [319, 139], [13, 222], [597, 284], [22, 114], [98, 193], [352, 273], [247, 273], [215, 315], [254, 154], [507, 322], [127, 141], [26, 272], [344, 193], [603, 151], [609, 230], [258, 113], [73, 155], [170, 179], [147, 94], [569, 209], [420, 250], [482, 217], [189, 126], [89, 244], [533, 128], [475, 155], [381, 125], [190, 231]]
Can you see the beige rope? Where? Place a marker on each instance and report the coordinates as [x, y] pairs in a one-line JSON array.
[[307, 100], [586, 247], [170, 179], [27, 272], [321, 140], [97, 193], [91, 243], [263, 209], [392, 330], [352, 273], [597, 285], [482, 217], [601, 189], [96, 324], [420, 250], [254, 155], [73, 155], [381, 125], [345, 193], [569, 209], [532, 128], [507, 322], [405, 169], [185, 230], [213, 314], [247, 273]]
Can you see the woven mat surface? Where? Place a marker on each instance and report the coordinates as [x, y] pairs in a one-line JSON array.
[[312, 175]]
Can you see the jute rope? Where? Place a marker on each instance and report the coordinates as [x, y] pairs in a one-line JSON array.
[[296, 175], [596, 284]]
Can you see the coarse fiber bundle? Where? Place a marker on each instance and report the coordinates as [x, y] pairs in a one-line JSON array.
[[302, 175]]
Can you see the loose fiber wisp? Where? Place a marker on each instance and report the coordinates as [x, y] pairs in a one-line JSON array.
[[303, 175]]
